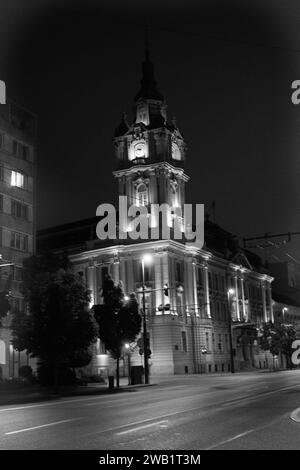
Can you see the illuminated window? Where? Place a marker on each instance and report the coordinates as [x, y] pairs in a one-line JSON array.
[[142, 195], [17, 179]]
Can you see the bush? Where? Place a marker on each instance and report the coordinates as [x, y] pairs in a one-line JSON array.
[[92, 379]]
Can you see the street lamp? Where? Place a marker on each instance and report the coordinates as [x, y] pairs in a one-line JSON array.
[[2, 265], [284, 310], [147, 258], [230, 292]]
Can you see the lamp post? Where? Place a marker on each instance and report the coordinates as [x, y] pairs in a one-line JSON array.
[[145, 259], [229, 294], [128, 353]]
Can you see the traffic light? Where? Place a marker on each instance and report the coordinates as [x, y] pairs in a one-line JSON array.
[[149, 352], [166, 290], [140, 343]]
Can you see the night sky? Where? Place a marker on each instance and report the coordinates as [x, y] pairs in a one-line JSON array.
[[225, 69]]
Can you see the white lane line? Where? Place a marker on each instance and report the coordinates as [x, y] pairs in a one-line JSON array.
[[257, 395], [295, 415], [230, 439], [141, 427], [147, 420], [238, 436], [41, 426]]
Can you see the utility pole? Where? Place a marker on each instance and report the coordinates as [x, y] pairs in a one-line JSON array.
[[145, 338], [229, 293]]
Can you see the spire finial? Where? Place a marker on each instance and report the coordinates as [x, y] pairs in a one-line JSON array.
[[147, 43]]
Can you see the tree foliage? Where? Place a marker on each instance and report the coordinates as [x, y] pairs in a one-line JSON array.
[[119, 320], [58, 328], [278, 339], [4, 304]]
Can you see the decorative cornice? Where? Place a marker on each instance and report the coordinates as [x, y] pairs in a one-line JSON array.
[[179, 172]]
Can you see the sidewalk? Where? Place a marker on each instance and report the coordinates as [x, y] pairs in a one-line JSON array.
[[37, 393]]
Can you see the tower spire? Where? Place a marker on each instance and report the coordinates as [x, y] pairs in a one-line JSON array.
[[148, 88], [146, 44]]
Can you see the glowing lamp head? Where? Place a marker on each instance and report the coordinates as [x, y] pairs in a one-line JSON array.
[[231, 291], [127, 346], [126, 297], [147, 259]]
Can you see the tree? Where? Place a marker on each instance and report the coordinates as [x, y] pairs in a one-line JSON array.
[[278, 339], [119, 320], [58, 329], [4, 304]]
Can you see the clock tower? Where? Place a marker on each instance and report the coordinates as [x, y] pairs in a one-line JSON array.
[[150, 151]]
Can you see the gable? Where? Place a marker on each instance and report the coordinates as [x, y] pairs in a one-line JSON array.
[[241, 259]]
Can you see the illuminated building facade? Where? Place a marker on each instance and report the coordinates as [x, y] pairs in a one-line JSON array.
[[17, 218], [189, 328]]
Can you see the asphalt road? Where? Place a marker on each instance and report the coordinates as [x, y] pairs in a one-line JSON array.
[[240, 411]]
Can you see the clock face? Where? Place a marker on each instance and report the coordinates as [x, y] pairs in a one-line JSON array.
[[139, 150]]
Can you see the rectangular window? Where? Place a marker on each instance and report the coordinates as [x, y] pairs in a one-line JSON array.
[[19, 210], [20, 150], [199, 276], [1, 173], [1, 202], [17, 179], [207, 340], [184, 342], [213, 341], [220, 343], [19, 241], [1, 140], [148, 272], [178, 271], [216, 282], [226, 343]]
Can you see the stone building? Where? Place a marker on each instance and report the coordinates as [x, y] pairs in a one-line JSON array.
[[17, 217], [189, 328]]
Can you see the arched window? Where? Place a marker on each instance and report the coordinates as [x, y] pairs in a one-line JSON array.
[[142, 195]]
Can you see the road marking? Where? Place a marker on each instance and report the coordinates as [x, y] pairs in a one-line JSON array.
[[146, 420], [238, 436], [257, 395], [41, 426], [295, 415], [230, 439], [141, 427]]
